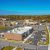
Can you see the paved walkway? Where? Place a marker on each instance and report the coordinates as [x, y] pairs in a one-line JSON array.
[[27, 38], [14, 48]]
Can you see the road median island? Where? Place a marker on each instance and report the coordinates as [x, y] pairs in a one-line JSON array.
[[7, 48]]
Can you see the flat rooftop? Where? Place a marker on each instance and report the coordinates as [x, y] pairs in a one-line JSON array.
[[20, 30]]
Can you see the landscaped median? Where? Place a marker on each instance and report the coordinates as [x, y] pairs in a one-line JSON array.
[[49, 35], [7, 48], [11, 48], [19, 48], [47, 42]]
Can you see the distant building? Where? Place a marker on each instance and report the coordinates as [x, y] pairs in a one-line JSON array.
[[30, 22], [7, 23], [2, 22]]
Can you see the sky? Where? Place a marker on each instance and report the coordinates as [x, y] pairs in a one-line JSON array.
[[24, 7]]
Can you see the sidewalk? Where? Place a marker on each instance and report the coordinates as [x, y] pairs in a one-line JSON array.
[[27, 38], [14, 48], [49, 47]]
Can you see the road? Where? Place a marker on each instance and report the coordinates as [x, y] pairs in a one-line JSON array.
[[6, 43]]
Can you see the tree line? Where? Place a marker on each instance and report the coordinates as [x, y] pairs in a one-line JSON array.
[[22, 17]]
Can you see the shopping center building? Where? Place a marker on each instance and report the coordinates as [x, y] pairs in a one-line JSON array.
[[18, 34]]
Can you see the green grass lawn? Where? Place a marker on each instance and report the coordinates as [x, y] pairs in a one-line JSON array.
[[49, 36], [4, 28], [19, 49], [8, 48]]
